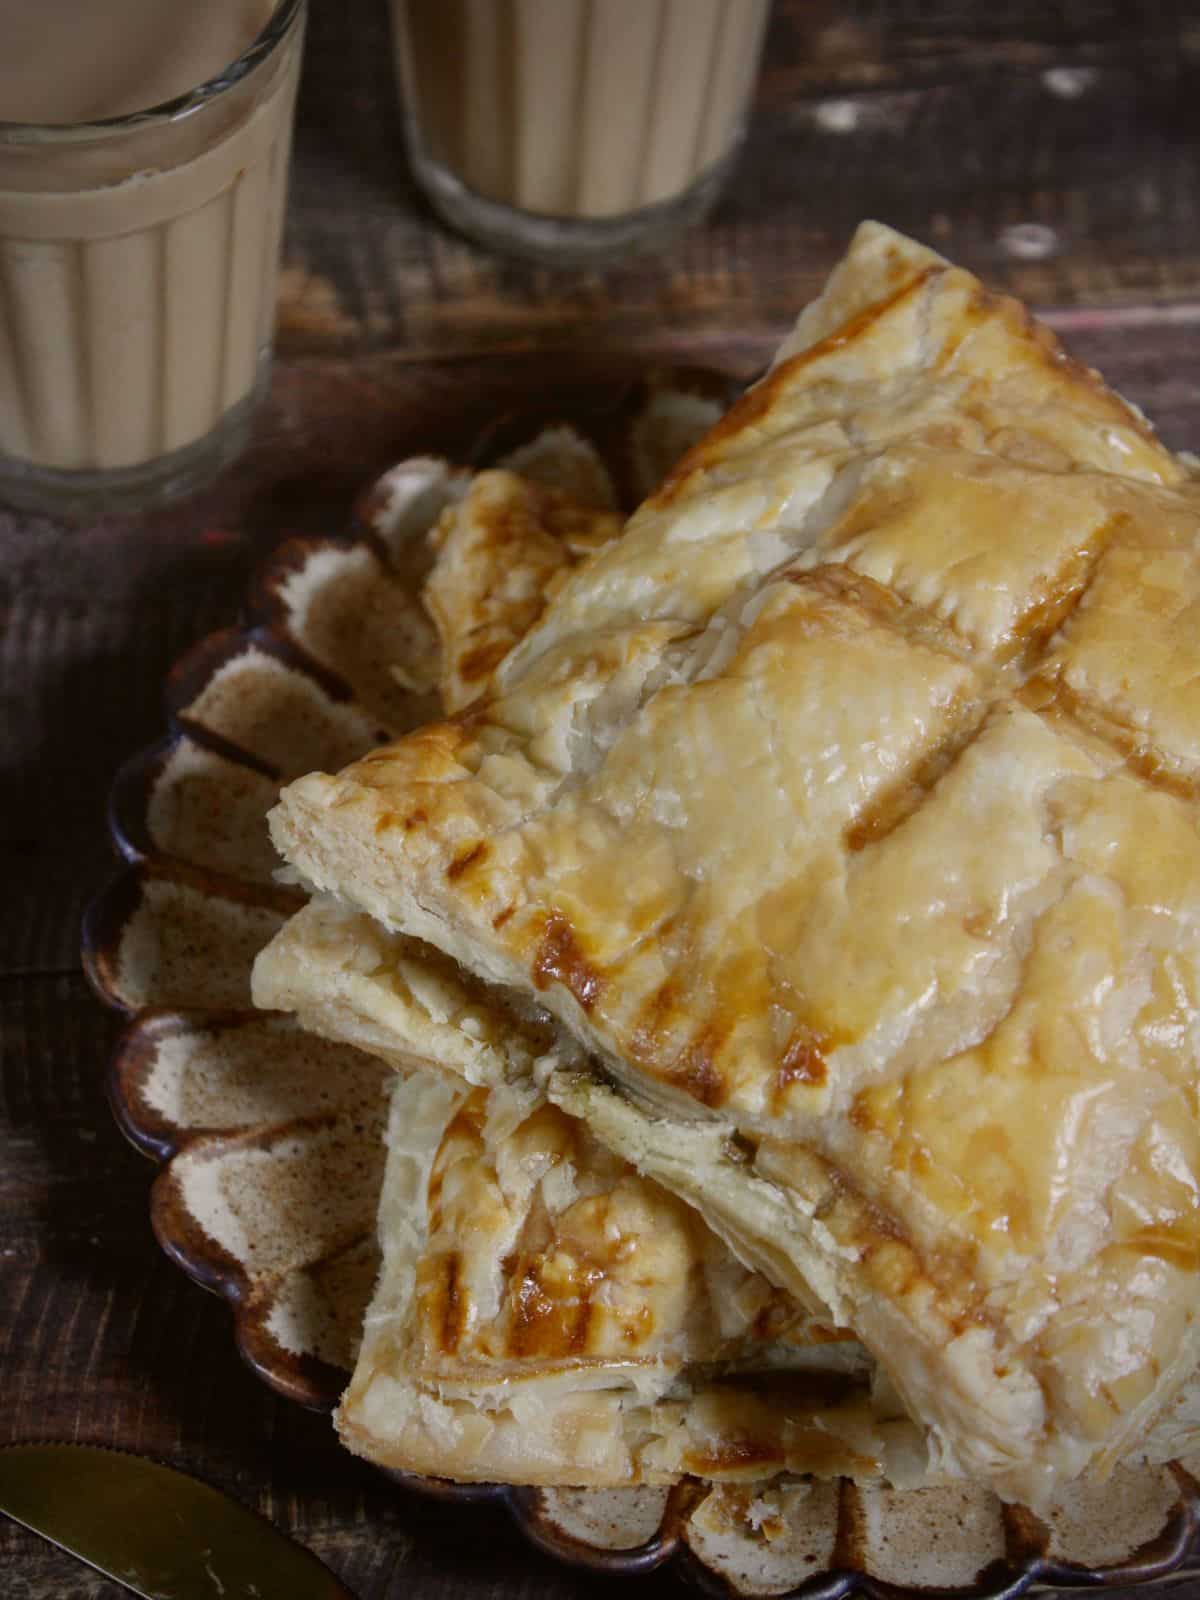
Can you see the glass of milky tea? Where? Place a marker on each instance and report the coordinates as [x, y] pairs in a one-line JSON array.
[[143, 171], [572, 131]]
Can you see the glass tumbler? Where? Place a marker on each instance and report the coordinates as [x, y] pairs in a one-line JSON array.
[[138, 275], [572, 131]]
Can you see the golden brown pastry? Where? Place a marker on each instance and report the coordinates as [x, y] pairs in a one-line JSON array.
[[545, 1315], [343, 976], [500, 553], [843, 810]]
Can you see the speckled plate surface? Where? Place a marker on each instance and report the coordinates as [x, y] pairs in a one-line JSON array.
[[270, 1141]]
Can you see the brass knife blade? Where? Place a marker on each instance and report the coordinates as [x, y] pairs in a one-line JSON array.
[[161, 1533]]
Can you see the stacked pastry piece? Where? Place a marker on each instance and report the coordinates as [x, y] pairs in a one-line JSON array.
[[804, 920], [545, 1314]]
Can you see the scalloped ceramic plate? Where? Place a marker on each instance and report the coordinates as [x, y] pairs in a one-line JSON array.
[[270, 1141]]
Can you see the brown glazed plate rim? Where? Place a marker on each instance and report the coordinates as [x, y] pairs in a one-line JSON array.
[[303, 1377]]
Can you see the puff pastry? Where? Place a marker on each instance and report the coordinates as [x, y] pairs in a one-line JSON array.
[[843, 812], [498, 555], [343, 976], [545, 1315]]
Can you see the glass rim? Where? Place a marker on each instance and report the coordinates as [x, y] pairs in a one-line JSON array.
[[273, 33]]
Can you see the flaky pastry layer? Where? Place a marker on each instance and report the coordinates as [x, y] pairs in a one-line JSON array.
[[544, 1315]]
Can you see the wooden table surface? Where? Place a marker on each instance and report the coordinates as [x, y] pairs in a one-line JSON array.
[[1055, 149]]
